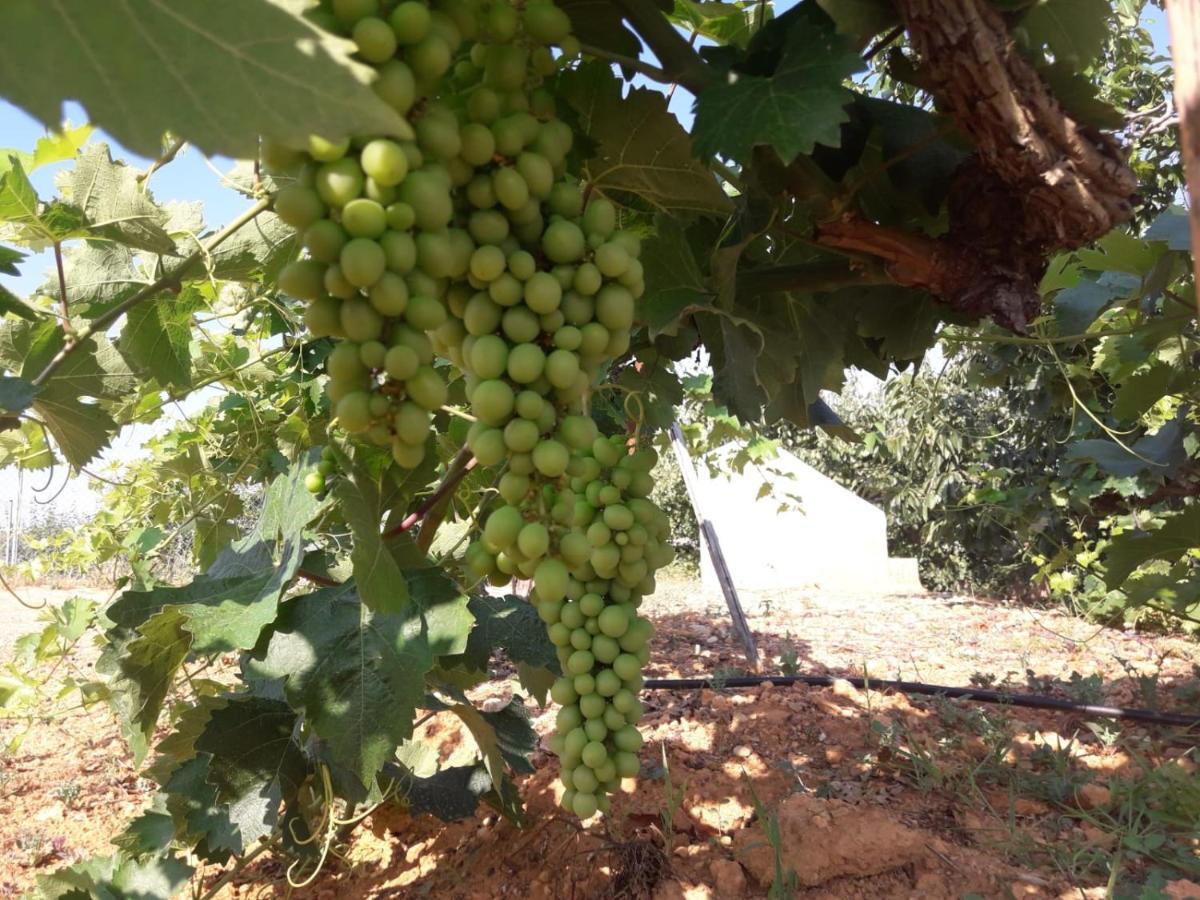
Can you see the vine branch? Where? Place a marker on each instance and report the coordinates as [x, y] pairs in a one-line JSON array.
[[169, 281], [680, 61], [62, 282], [168, 156], [462, 463], [629, 62], [823, 276]]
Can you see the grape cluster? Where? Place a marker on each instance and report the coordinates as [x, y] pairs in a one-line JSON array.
[[468, 241], [591, 566]]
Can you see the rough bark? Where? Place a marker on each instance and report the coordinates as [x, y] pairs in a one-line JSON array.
[[1037, 182], [1184, 17]]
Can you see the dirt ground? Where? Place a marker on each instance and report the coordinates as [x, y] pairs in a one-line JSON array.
[[825, 792]]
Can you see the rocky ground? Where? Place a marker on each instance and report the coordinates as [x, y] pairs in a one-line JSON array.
[[821, 792]]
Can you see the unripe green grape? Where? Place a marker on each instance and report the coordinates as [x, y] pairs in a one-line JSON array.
[[520, 435], [364, 218], [492, 401], [344, 362], [395, 85], [429, 196], [374, 38], [579, 310], [350, 11], [427, 388], [410, 22], [389, 295], [489, 356], [600, 217], [542, 293], [505, 290], [399, 250], [323, 317], [520, 325], [534, 540], [559, 635], [605, 649], [299, 206], [437, 134], [481, 316], [578, 432], [303, 279], [324, 240], [339, 182], [522, 266], [594, 338], [510, 188], [537, 173], [488, 446], [360, 321], [354, 412], [314, 482], [325, 150], [550, 458], [513, 487], [424, 313], [565, 199], [562, 367], [504, 67], [579, 662], [592, 706], [615, 308], [430, 58], [411, 423], [550, 581], [483, 106], [401, 363], [502, 527], [546, 23], [563, 693], [529, 404], [478, 144], [362, 262], [525, 363], [571, 615]]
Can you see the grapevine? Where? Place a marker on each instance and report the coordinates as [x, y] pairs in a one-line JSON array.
[[470, 247]]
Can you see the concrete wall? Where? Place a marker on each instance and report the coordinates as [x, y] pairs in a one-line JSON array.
[[835, 541]]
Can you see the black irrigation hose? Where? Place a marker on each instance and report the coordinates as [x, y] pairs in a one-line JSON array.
[[1035, 701]]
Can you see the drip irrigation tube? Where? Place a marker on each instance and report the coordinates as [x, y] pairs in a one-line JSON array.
[[1035, 701]]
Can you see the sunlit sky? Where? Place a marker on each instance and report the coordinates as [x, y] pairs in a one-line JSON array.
[[193, 177]]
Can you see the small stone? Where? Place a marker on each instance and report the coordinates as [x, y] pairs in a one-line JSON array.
[[729, 881], [1182, 890], [834, 755], [1092, 796], [48, 813], [742, 751]]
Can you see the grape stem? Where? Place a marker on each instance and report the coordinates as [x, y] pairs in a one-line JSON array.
[[681, 63], [171, 281], [463, 463]]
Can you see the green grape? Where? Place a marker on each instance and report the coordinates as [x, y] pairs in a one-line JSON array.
[[339, 182], [324, 150], [478, 144], [375, 39], [489, 356], [350, 11], [521, 435], [534, 540], [354, 411], [525, 363], [565, 199], [324, 240], [303, 278], [389, 295], [522, 265], [314, 482], [396, 86], [299, 206], [364, 218], [563, 693], [513, 487], [429, 196], [401, 363], [344, 363], [481, 316], [483, 106], [503, 526], [492, 401], [562, 367], [430, 57], [510, 187], [537, 173], [529, 404], [615, 308], [360, 321], [546, 23], [407, 456], [505, 290], [488, 446], [563, 242], [488, 226], [542, 293], [504, 67], [362, 262], [592, 706], [520, 325], [399, 250], [411, 423], [427, 388], [410, 22], [550, 458], [323, 317], [437, 134], [600, 217]]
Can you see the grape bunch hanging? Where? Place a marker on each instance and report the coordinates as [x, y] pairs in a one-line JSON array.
[[468, 240]]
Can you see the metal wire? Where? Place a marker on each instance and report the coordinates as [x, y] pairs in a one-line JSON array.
[[979, 695]]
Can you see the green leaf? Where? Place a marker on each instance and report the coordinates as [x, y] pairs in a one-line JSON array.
[[1073, 30], [1142, 390], [256, 764], [724, 23], [16, 394], [117, 878], [357, 675], [640, 148], [157, 336], [1156, 453], [1076, 94], [861, 19], [217, 75], [511, 624], [674, 284], [601, 24], [1179, 535], [151, 832], [1076, 308], [906, 321], [9, 259], [142, 668], [113, 203], [802, 104], [52, 147], [360, 495], [257, 251], [537, 680], [451, 794], [193, 804]]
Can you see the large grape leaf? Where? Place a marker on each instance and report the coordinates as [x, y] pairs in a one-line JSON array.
[[511, 624], [256, 764], [156, 340], [117, 878], [113, 202], [451, 794], [218, 74], [861, 19], [802, 103], [358, 675], [192, 802], [675, 286], [1180, 534], [640, 148], [1156, 453]]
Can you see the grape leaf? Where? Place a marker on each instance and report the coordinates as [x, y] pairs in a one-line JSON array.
[[156, 340], [1159, 452], [725, 23], [800, 105], [255, 764], [53, 147], [674, 284], [861, 19], [151, 832], [451, 794], [9, 259], [217, 75], [1179, 535], [1172, 227], [16, 394], [360, 495], [600, 23], [1076, 308], [193, 803], [1073, 30], [357, 675], [640, 148], [113, 203], [117, 878], [511, 624]]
